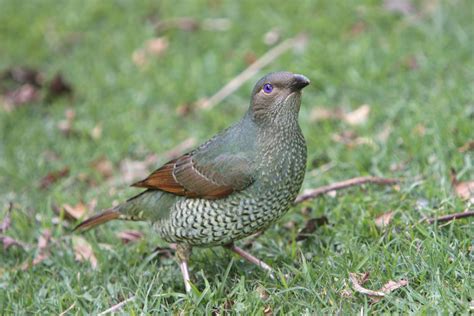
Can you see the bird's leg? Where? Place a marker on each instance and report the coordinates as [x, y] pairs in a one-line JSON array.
[[250, 258], [183, 252]]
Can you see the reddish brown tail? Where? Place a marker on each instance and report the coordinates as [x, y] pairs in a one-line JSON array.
[[97, 220]]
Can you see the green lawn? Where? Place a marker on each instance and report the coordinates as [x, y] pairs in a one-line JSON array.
[[415, 70]]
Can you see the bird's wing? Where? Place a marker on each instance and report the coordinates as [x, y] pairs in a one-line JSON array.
[[195, 175]]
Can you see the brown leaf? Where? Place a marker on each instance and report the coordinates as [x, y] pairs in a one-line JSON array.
[[464, 190], [103, 166], [52, 177], [25, 93], [154, 47], [357, 280], [83, 251], [358, 116], [384, 219], [468, 146], [268, 311], [75, 212], [157, 46], [42, 250], [323, 113], [9, 241], [390, 286], [128, 236], [59, 86], [23, 75], [311, 226]]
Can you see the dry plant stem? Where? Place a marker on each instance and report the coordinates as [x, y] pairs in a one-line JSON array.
[[117, 306], [248, 73], [449, 217], [311, 194]]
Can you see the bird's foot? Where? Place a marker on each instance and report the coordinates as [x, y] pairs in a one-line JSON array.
[[183, 253], [250, 258]]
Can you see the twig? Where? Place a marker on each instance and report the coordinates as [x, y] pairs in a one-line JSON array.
[[312, 193], [248, 73], [68, 309], [117, 306], [449, 217]]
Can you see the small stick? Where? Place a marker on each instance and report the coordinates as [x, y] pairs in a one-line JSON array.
[[117, 306], [248, 73], [311, 194], [449, 217]]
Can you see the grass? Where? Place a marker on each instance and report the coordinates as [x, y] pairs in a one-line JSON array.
[[358, 53]]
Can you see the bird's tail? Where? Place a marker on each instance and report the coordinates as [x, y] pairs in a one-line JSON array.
[[104, 217]]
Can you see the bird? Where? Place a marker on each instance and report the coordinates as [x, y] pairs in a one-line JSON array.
[[236, 184]]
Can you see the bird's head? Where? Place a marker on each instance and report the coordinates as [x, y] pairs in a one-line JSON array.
[[277, 97]]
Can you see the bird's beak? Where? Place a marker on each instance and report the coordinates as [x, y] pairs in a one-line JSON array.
[[299, 82]]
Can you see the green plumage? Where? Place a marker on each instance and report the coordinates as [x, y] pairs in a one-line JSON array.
[[237, 183]]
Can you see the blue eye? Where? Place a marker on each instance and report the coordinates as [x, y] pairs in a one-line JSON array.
[[267, 88]]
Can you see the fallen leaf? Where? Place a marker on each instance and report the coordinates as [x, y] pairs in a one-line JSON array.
[[323, 113], [52, 177], [9, 241], [468, 146], [463, 189], [128, 236], [157, 46], [103, 166], [83, 251], [250, 58], [153, 48], [357, 280], [75, 212], [268, 311], [23, 75], [384, 219], [311, 226], [358, 116], [26, 93], [42, 252], [390, 286], [59, 86]]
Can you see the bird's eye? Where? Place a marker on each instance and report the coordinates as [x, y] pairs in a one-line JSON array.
[[267, 88]]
